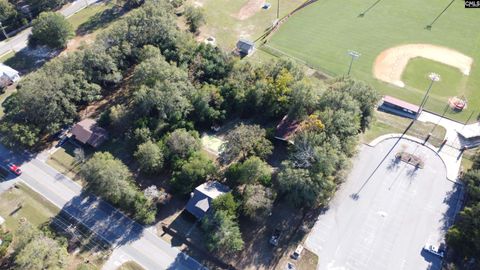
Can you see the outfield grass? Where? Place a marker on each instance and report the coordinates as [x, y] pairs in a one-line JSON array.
[[223, 23], [322, 33]]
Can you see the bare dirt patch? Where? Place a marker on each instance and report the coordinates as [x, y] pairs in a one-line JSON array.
[[249, 9], [391, 63], [78, 42]]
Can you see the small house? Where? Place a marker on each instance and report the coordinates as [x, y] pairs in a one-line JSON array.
[[202, 197], [399, 107], [245, 47], [9, 74], [88, 132]]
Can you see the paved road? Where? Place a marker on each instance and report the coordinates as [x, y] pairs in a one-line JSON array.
[[135, 241], [20, 40], [396, 212]]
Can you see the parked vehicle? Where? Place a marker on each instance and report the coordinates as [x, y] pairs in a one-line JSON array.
[[14, 169], [275, 237], [290, 266], [434, 250], [62, 141], [297, 253]]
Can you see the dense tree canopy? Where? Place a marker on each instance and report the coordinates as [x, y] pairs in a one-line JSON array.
[[150, 157], [245, 141], [464, 236], [181, 144], [34, 250], [257, 201], [191, 173], [50, 29], [110, 178], [194, 17], [42, 253], [252, 170], [221, 226]]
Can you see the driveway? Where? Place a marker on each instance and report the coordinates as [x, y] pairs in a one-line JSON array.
[[135, 241], [386, 212]]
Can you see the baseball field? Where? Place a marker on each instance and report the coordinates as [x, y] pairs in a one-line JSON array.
[[400, 43]]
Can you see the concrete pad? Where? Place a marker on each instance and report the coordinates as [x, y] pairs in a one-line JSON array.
[[386, 211]]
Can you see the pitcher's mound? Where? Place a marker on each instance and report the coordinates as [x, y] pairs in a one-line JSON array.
[[389, 65]]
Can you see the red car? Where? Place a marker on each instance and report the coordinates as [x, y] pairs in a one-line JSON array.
[[14, 169]]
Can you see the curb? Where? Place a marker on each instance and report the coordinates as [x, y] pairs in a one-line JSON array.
[[416, 140]]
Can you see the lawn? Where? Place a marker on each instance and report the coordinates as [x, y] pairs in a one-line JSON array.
[[322, 33], [130, 266], [7, 56], [227, 23], [21, 202], [63, 160], [85, 14], [385, 123]]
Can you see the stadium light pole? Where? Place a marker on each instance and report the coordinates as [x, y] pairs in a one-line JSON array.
[[278, 9], [434, 77], [354, 56]]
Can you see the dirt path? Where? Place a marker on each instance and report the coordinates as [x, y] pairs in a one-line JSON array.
[[249, 9], [390, 64]]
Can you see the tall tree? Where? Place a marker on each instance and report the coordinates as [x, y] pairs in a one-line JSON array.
[[245, 141], [181, 144], [257, 201], [192, 172], [42, 253], [195, 18], [222, 232], [50, 29], [149, 157], [110, 178], [253, 170]]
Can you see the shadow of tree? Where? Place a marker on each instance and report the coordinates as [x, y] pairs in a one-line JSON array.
[[100, 20], [109, 224]]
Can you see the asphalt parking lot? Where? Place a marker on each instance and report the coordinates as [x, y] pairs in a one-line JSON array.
[[386, 211]]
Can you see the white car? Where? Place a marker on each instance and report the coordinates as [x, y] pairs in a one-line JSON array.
[[433, 250]]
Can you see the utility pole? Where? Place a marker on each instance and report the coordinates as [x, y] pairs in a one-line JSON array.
[[434, 77], [354, 56]]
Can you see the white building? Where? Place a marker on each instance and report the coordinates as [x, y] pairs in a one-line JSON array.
[[9, 73]]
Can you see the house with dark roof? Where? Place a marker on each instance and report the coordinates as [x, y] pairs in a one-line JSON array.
[[286, 129], [245, 47], [88, 132], [202, 197], [399, 107]]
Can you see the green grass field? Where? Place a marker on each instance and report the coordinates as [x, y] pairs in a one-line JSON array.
[[322, 33], [223, 23]]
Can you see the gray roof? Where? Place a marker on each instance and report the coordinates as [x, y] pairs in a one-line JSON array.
[[244, 45], [200, 202]]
